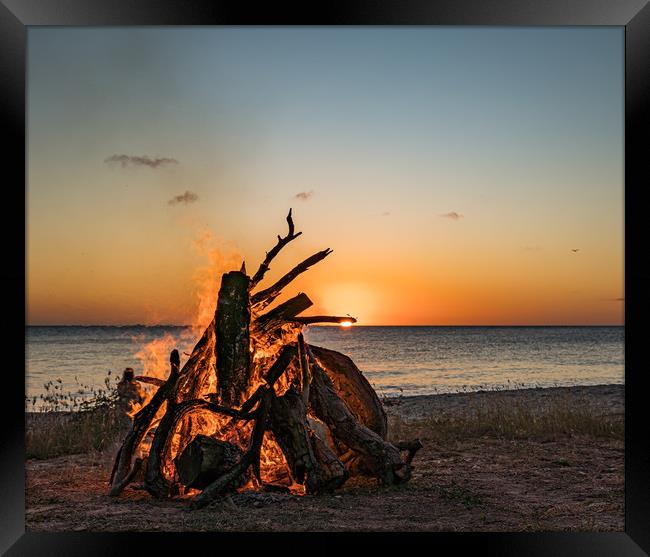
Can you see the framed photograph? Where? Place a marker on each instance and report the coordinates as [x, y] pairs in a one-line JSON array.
[[368, 275]]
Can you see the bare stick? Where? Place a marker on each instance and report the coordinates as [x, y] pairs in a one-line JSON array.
[[149, 380], [265, 297], [264, 266], [287, 353], [129, 478], [141, 423], [281, 314], [308, 319], [253, 400], [305, 374]]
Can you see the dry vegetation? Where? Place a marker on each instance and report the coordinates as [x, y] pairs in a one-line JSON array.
[[501, 416], [64, 423]]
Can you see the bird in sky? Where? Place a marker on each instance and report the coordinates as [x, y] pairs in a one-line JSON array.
[[575, 250]]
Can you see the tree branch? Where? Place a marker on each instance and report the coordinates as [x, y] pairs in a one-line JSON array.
[[281, 314], [265, 297], [264, 266], [305, 373]]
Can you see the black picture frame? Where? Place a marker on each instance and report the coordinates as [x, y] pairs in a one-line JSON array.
[[633, 15]]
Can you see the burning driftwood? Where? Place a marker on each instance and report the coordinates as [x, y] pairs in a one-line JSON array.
[[255, 407]]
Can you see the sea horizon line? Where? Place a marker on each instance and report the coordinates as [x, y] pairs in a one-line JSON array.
[[336, 326]]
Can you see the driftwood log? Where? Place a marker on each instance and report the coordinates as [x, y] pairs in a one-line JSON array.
[[355, 390], [323, 416], [205, 459], [317, 469], [381, 457], [233, 341]]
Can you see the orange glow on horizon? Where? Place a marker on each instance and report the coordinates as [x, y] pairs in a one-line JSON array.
[[481, 284]]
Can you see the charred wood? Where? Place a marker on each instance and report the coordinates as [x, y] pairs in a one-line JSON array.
[[251, 457], [232, 338], [282, 313], [353, 388], [141, 423], [205, 459], [382, 458], [288, 422], [305, 373]]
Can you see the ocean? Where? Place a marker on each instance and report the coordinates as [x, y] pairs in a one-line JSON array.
[[396, 360]]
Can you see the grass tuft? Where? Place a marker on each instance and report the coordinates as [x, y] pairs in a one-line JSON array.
[[504, 418], [82, 421]]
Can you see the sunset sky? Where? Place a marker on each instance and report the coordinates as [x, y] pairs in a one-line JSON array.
[[451, 170]]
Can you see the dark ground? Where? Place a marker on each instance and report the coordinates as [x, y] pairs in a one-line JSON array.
[[486, 483]]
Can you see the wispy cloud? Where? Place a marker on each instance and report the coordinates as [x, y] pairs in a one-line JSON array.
[[133, 160], [304, 195], [531, 248], [187, 197], [453, 215], [385, 213]]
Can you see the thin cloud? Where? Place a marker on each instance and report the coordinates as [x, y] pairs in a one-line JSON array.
[[531, 248], [453, 215], [385, 213], [304, 195], [133, 160], [187, 197]]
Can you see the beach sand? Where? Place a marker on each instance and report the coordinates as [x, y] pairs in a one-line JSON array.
[[521, 460]]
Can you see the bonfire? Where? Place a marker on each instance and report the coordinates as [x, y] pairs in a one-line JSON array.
[[255, 407]]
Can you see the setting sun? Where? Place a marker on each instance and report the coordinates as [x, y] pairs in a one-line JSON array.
[[346, 324]]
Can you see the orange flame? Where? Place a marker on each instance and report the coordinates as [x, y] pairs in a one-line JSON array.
[[154, 357], [220, 259]]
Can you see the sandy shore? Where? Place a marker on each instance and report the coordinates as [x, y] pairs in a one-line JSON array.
[[599, 399], [463, 481]]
